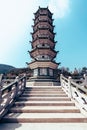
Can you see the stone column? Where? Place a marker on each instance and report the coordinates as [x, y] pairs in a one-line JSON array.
[[1, 75], [61, 80], [85, 81], [69, 86], [0, 95]]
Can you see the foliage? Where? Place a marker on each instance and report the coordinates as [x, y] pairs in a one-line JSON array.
[[5, 68], [19, 72]]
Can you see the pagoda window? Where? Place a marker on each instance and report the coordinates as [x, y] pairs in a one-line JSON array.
[[43, 57], [43, 26], [43, 35], [35, 72], [39, 45], [43, 71], [46, 57], [46, 45], [42, 18], [50, 72]]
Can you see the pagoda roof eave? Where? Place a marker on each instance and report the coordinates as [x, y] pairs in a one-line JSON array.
[[43, 61], [44, 49], [43, 8], [43, 64]]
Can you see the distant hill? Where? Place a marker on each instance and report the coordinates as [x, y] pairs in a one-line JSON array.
[[5, 68]]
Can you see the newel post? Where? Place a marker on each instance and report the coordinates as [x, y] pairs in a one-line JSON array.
[[0, 95], [85, 81], [1, 76], [16, 83], [17, 78], [61, 80], [1, 88], [25, 80], [69, 86]]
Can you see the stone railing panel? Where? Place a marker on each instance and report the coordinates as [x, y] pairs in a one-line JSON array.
[[10, 93], [75, 91]]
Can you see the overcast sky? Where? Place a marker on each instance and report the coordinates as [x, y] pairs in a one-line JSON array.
[[70, 20]]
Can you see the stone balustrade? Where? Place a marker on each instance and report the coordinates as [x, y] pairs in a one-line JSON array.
[[75, 91], [10, 93]]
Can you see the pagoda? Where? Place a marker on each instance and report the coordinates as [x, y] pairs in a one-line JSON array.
[[43, 43]]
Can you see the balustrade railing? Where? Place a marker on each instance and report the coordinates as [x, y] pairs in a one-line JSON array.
[[9, 94], [75, 91]]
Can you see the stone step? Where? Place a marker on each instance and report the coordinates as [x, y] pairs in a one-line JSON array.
[[43, 83], [44, 95], [45, 109], [44, 99], [43, 88], [44, 103], [44, 118], [43, 92]]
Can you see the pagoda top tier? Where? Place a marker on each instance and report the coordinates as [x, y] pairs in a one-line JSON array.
[[43, 11]]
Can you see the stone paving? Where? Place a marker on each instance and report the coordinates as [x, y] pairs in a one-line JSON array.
[[43, 126]]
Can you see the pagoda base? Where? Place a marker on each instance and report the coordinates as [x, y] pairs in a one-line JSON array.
[[43, 81]]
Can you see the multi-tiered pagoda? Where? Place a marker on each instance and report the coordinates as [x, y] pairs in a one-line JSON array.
[[43, 46]]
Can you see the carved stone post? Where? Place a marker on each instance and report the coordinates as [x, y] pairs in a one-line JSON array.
[[16, 79], [1, 87], [85, 81], [61, 80], [17, 89], [25, 80], [0, 95], [69, 86], [1, 76]]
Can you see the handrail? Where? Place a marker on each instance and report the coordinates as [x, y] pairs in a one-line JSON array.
[[75, 91], [9, 94]]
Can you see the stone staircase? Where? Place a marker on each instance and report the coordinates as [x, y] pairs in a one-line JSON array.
[[43, 83], [44, 104]]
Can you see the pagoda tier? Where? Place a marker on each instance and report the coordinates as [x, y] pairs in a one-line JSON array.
[[42, 36], [43, 19], [43, 25], [43, 69], [43, 53], [43, 42], [41, 32], [43, 64], [43, 11]]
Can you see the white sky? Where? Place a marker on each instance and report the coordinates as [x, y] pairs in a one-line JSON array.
[[60, 8]]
